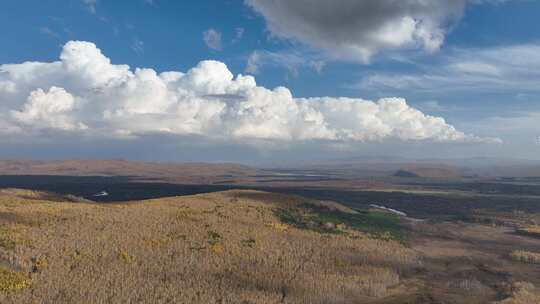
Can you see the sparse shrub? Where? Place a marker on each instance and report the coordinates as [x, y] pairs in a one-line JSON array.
[[126, 257], [279, 226], [214, 237], [177, 236], [197, 247], [217, 248], [77, 255], [39, 263], [182, 214], [248, 243], [340, 262]]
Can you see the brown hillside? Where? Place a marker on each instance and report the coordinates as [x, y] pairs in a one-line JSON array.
[[224, 247], [182, 172]]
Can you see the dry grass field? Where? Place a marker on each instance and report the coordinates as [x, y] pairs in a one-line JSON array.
[[522, 293], [473, 263], [227, 247], [244, 247]]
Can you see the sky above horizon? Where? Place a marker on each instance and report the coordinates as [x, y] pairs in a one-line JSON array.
[[251, 80]]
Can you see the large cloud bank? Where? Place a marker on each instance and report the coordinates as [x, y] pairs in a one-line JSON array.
[[84, 94], [358, 29]]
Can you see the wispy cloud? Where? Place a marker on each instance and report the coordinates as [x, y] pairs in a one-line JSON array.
[[137, 46], [212, 38], [90, 5], [290, 60], [238, 35], [433, 105], [317, 65], [49, 32], [490, 70]]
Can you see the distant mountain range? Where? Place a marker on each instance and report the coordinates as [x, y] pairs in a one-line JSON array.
[[178, 172], [216, 172], [428, 168]]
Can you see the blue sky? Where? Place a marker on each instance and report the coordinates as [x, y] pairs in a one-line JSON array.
[[481, 78]]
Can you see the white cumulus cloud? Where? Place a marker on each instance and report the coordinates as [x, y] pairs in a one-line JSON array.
[[85, 94], [44, 110]]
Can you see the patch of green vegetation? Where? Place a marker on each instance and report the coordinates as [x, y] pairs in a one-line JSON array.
[[376, 224]]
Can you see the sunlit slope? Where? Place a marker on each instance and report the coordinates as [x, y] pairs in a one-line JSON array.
[[228, 247]]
